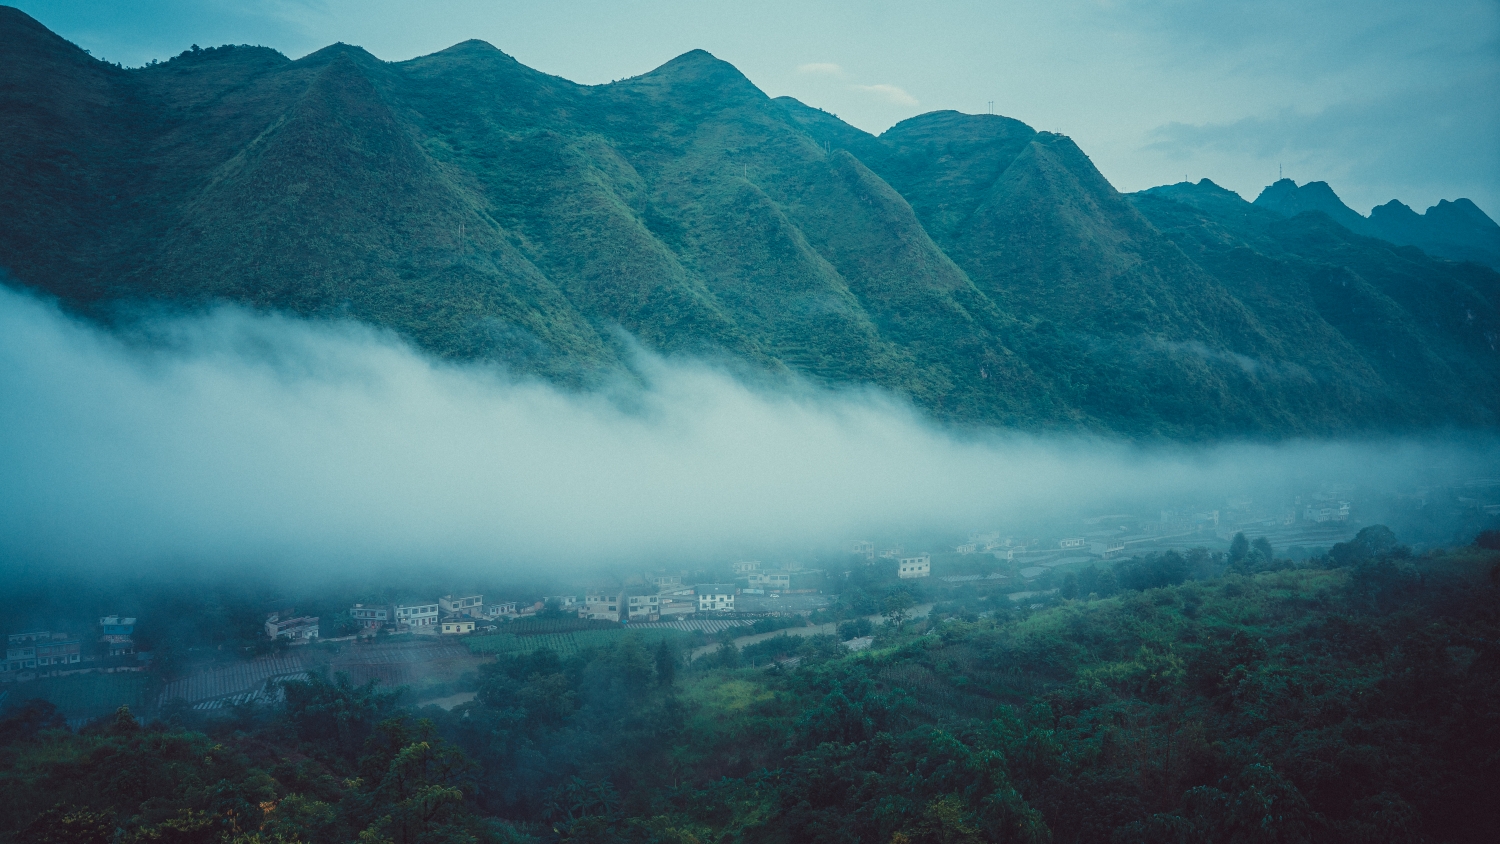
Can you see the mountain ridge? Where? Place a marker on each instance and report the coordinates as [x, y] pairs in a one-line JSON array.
[[483, 209]]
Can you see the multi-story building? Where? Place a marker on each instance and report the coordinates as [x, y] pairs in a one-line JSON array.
[[746, 566], [60, 650], [918, 566], [415, 614], [297, 628], [715, 597], [370, 616], [20, 650], [862, 548], [117, 633], [665, 581], [639, 604], [469, 605], [601, 605]]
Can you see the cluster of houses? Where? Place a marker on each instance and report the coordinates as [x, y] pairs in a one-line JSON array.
[[664, 597], [32, 652], [907, 567]]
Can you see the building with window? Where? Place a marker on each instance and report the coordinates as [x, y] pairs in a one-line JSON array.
[[640, 604], [918, 566], [601, 605], [415, 614], [715, 597], [117, 633], [771, 581], [469, 605], [862, 548], [457, 625], [370, 616], [296, 628]]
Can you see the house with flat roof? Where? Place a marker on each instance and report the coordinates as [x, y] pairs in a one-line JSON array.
[[918, 566], [456, 625], [294, 628], [715, 597], [470, 605], [370, 616], [415, 613], [117, 634]]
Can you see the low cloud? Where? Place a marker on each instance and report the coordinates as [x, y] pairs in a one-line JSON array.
[[234, 439], [890, 93], [822, 69]]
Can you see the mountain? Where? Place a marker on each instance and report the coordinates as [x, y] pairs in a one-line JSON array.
[[485, 210], [1456, 230]]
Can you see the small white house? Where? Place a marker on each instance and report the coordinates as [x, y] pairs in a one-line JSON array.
[[918, 566], [772, 581], [746, 566], [1072, 543]]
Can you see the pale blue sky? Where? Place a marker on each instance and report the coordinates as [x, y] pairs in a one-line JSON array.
[[1381, 99]]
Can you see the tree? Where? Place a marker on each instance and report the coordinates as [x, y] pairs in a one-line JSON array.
[[666, 664], [897, 608], [1263, 545], [1069, 589], [1239, 549]]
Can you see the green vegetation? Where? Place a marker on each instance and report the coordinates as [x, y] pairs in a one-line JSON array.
[[1349, 699], [481, 209], [83, 696]]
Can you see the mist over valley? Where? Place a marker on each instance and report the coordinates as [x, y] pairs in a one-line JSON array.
[[441, 451]]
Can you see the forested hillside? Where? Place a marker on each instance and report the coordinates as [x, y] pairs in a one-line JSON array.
[[1170, 698], [485, 210]]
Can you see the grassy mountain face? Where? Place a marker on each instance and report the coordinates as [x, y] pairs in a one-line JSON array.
[[485, 210]]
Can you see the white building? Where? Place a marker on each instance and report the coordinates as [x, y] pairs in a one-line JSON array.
[[746, 566], [640, 605], [773, 581], [918, 566], [416, 614], [299, 628], [967, 548], [1077, 542], [862, 548], [601, 605], [715, 597], [504, 609], [665, 581]]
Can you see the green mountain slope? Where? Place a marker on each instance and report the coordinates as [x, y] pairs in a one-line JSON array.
[[486, 210]]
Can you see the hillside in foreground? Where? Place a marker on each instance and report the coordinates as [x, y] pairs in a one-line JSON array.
[[1169, 698], [485, 210]]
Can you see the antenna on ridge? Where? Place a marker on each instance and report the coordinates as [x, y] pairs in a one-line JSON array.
[[990, 107]]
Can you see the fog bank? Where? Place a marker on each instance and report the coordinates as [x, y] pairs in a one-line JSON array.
[[237, 439]]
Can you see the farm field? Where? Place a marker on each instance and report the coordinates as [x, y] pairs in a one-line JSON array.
[[82, 697]]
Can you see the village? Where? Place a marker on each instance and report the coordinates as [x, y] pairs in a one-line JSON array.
[[430, 642]]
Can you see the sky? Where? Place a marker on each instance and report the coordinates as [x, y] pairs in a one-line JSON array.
[[237, 439], [1382, 99]]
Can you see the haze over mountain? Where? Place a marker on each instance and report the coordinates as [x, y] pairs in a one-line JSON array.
[[485, 210], [1456, 230]]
